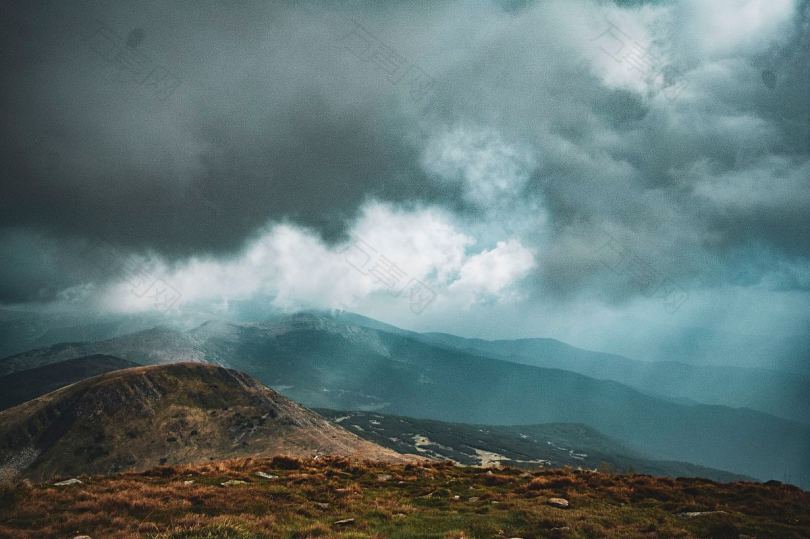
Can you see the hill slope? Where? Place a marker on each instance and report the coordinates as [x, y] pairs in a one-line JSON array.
[[141, 417], [25, 385], [548, 445]]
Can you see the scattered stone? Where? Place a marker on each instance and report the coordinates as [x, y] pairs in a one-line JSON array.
[[68, 482], [233, 482], [266, 475], [399, 515], [189, 482], [344, 522], [561, 503], [474, 499], [456, 497], [82, 537], [322, 505], [694, 514], [384, 477]]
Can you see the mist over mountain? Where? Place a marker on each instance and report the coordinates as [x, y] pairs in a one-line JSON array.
[[627, 203], [322, 361], [780, 393]]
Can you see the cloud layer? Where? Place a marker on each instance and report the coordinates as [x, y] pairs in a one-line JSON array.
[[540, 155]]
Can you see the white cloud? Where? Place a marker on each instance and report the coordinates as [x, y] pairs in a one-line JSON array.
[[490, 274], [626, 50], [723, 26], [389, 247], [488, 167], [426, 243]]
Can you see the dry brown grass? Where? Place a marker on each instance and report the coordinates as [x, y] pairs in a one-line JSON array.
[[389, 500]]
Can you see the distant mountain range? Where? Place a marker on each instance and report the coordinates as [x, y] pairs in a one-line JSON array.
[[24, 330], [198, 400], [25, 385], [701, 346], [783, 392], [331, 362], [779, 393], [138, 418]]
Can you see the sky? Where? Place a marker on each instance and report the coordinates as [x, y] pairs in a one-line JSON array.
[[612, 174]]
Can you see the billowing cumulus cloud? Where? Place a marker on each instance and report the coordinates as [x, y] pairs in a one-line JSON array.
[[293, 268]]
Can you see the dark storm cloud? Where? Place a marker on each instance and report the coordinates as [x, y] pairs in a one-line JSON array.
[[270, 121], [273, 119]]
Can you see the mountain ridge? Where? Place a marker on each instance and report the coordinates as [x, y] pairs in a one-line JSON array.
[[324, 364], [141, 417], [776, 392]]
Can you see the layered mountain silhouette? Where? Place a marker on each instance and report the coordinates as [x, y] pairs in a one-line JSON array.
[[142, 417], [780, 393], [24, 330], [329, 362], [777, 392], [547, 445]]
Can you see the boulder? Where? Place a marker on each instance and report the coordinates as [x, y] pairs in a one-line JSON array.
[[233, 482], [68, 482]]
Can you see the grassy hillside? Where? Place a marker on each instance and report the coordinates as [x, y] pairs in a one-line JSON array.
[[133, 419], [339, 498]]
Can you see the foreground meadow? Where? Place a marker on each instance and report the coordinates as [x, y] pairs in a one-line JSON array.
[[330, 497]]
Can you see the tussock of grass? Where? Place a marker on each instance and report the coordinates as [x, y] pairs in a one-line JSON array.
[[336, 497]]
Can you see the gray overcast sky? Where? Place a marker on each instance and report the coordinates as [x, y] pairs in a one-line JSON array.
[[599, 172]]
